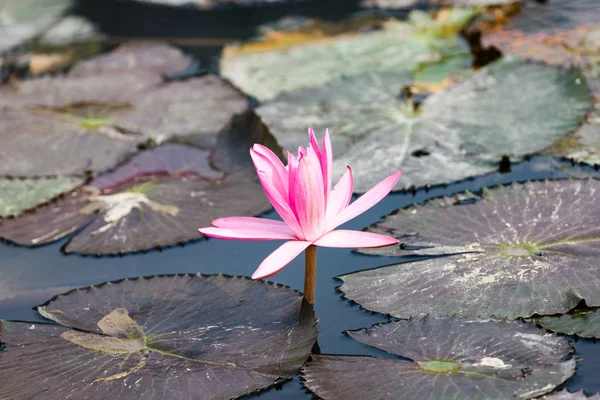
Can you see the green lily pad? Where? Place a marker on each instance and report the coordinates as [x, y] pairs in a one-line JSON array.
[[521, 250], [311, 61], [136, 56], [188, 336], [173, 187], [565, 395], [445, 359], [583, 323], [24, 19], [18, 195], [498, 111]]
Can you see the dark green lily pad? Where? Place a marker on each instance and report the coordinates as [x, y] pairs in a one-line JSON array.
[[18, 195], [520, 250], [509, 108], [446, 359], [565, 395], [310, 60], [583, 323], [24, 19], [136, 56], [188, 336], [71, 125], [159, 198]]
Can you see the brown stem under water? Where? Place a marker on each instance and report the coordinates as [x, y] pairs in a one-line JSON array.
[[310, 273]]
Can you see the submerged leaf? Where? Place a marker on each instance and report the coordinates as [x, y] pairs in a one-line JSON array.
[[399, 46], [213, 337], [159, 198], [509, 108], [520, 250], [18, 195], [446, 359], [583, 323]]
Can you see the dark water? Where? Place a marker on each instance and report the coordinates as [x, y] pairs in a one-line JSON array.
[[37, 274]]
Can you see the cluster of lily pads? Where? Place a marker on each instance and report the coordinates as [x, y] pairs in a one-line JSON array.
[[121, 154]]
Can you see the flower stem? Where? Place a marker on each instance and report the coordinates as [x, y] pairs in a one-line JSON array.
[[310, 273]]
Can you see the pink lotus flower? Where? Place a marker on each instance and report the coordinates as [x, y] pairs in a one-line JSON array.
[[302, 195]]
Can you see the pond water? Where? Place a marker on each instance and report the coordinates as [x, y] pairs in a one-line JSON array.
[[35, 275]]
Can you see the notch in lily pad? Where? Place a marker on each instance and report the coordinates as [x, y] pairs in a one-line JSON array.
[[216, 337], [446, 358]]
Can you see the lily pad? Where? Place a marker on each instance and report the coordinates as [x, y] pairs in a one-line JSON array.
[[579, 46], [71, 125], [583, 323], [136, 56], [212, 4], [38, 143], [521, 250], [552, 16], [159, 198], [187, 336], [399, 46], [508, 108], [21, 20], [446, 359], [18, 195]]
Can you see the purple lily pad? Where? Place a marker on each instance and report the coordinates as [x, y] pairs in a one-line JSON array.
[[73, 125], [446, 358], [159, 58], [520, 250], [38, 143], [188, 336], [157, 199]]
